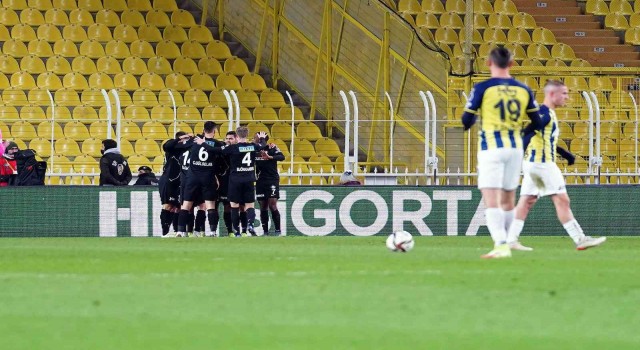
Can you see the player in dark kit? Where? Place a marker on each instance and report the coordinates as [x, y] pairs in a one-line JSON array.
[[169, 184], [243, 175], [268, 185], [201, 178], [201, 214], [224, 170]]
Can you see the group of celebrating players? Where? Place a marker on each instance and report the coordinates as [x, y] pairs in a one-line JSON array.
[[502, 103], [203, 172]]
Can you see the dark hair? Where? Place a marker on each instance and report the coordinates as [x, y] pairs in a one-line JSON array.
[[232, 132], [209, 126], [500, 56], [179, 134], [109, 144]]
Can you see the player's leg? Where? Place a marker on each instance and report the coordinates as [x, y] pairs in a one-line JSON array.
[[228, 223], [275, 215], [234, 203], [166, 218], [264, 215], [243, 218], [490, 182], [249, 198], [529, 193], [210, 195], [183, 218], [571, 225], [201, 218]]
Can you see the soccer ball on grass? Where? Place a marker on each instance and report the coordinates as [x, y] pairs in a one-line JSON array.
[[400, 241]]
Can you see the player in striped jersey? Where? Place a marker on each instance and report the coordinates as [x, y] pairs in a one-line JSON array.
[[502, 103], [542, 177]]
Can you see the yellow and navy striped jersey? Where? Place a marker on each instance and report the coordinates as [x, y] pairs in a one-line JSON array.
[[542, 148], [502, 104]]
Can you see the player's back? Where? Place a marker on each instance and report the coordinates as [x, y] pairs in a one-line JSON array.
[[542, 148], [502, 104], [242, 158], [202, 160], [172, 165]]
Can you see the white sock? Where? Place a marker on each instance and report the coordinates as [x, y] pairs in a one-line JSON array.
[[574, 230], [514, 230], [508, 218], [495, 224]]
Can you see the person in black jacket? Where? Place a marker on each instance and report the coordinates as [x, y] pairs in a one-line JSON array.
[[114, 168], [268, 185], [146, 177]]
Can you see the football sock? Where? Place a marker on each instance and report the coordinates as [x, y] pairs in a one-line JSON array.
[[508, 218], [191, 222], [227, 221], [514, 230], [166, 217], [235, 219], [495, 224], [214, 217], [264, 220], [251, 216], [574, 230], [183, 218], [275, 215], [175, 222], [201, 217], [243, 220]]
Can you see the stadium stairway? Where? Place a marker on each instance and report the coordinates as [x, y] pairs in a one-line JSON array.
[[583, 32]]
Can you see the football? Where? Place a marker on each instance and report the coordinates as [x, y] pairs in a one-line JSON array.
[[400, 241]]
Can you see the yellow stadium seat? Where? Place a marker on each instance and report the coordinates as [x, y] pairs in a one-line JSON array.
[[187, 113], [148, 148], [4, 33], [201, 34], [61, 163], [285, 114], [130, 131], [210, 65], [32, 64], [85, 114], [185, 66], [519, 36], [236, 66], [49, 32], [125, 98], [38, 97], [193, 49], [308, 130], [145, 98], [75, 81], [446, 35], [56, 17], [91, 147], [494, 35], [34, 113], [523, 20], [282, 146], [620, 99], [134, 65], [15, 4], [154, 130], [505, 6], [620, 6], [136, 161], [253, 82], [101, 80], [118, 49], [597, 7], [81, 17], [165, 99], [151, 81], [538, 51], [150, 33], [281, 130], [140, 5], [31, 17], [214, 113], [40, 47], [22, 80], [6, 133], [126, 148], [159, 65], [218, 50], [165, 5], [175, 33], [409, 6], [125, 33], [216, 98], [265, 115], [75, 33], [23, 32], [457, 6], [15, 48], [543, 36], [575, 83], [83, 65], [67, 147], [93, 98], [45, 127], [320, 164], [249, 99], [180, 126], [499, 20], [563, 51], [303, 148], [8, 17], [632, 35], [92, 49], [65, 48], [58, 65], [98, 130], [482, 7], [476, 37], [518, 51], [177, 81], [67, 97], [41, 5], [116, 5], [162, 113], [555, 62], [196, 97], [228, 81], [125, 81], [108, 65], [255, 127], [616, 21], [168, 49], [8, 64], [23, 130], [8, 113], [4, 83], [42, 146], [158, 18], [600, 83], [136, 113], [427, 20], [133, 18], [90, 5], [49, 80], [272, 98], [76, 130], [142, 49], [99, 32], [183, 18]]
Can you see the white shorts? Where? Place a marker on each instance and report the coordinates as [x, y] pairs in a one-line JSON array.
[[499, 168], [542, 179]]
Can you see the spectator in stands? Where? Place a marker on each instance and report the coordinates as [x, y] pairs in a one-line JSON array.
[[146, 177], [114, 168], [8, 165], [347, 179]]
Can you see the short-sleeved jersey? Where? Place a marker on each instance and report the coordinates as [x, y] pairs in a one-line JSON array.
[[502, 104], [242, 158], [267, 169], [542, 148], [202, 160]]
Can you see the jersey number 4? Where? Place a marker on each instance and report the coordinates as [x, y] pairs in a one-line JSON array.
[[510, 108], [246, 160]]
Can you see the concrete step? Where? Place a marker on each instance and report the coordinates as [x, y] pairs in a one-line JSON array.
[[576, 40], [613, 57], [617, 49], [569, 26], [586, 33], [540, 3], [615, 63], [553, 10], [558, 18]]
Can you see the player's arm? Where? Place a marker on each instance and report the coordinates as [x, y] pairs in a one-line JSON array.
[[533, 111], [472, 108], [277, 155], [566, 155], [127, 175], [530, 130]]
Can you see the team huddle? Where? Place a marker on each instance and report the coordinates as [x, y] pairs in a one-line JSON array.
[[502, 102], [204, 173]]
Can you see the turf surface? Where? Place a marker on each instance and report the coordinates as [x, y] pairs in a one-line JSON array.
[[316, 293]]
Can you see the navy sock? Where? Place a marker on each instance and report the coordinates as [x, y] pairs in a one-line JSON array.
[[264, 219], [166, 217], [227, 221], [201, 217], [175, 222], [251, 216], [235, 219], [243, 220], [275, 216], [214, 217], [191, 222], [183, 218]]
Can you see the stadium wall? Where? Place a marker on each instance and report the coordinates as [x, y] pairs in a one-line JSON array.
[[86, 211]]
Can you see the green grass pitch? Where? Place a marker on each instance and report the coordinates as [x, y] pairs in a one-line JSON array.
[[316, 293]]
